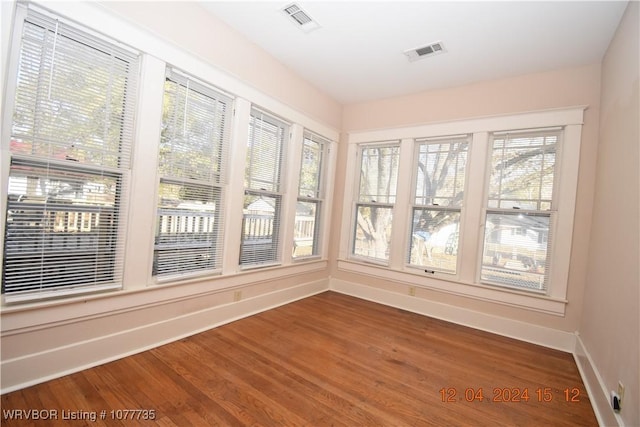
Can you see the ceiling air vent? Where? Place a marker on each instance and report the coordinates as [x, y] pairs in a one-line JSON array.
[[300, 18], [424, 51]]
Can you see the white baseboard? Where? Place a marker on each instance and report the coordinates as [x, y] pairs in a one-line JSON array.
[[598, 393], [39, 367], [535, 334]]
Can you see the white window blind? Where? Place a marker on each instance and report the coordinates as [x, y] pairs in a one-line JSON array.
[[378, 181], [310, 196], [519, 216], [71, 138], [192, 166], [438, 194], [260, 240]]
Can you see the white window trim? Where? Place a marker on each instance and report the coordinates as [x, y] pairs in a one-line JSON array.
[[291, 178], [467, 282], [329, 171]]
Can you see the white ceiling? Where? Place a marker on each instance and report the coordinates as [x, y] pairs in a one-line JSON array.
[[357, 52]]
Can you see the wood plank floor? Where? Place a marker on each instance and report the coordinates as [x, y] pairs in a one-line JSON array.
[[328, 360]]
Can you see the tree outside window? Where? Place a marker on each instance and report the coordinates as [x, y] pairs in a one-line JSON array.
[[376, 198], [438, 195]]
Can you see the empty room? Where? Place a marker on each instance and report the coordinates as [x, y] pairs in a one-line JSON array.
[[321, 213]]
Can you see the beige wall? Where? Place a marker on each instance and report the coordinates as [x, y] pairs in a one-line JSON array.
[[610, 327], [228, 50], [556, 89]]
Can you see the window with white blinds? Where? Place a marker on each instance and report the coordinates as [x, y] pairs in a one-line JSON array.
[[438, 190], [310, 196], [70, 144], [192, 167], [378, 181], [266, 144], [519, 215]]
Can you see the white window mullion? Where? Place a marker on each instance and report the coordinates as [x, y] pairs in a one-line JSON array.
[[350, 198], [327, 206], [472, 223], [403, 198], [144, 175], [237, 157], [289, 199]]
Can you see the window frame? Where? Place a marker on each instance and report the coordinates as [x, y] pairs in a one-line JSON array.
[[78, 34], [458, 208], [317, 199], [356, 203], [278, 193], [550, 213], [215, 186]]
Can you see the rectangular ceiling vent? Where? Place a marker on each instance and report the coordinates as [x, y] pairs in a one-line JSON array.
[[424, 51], [300, 18]]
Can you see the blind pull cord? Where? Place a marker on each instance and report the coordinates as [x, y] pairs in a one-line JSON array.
[[186, 103], [53, 57]]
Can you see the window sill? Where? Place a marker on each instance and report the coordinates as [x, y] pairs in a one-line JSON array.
[[443, 282], [14, 300], [46, 314], [155, 293]]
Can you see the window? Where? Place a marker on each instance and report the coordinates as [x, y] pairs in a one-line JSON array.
[[70, 143], [519, 216], [192, 159], [438, 194], [375, 201], [260, 240], [504, 189], [310, 196]]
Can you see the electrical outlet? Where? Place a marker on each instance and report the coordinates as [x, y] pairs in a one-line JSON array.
[[237, 296], [412, 291], [615, 401], [620, 392]]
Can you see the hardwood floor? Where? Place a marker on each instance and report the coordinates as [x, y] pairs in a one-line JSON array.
[[328, 360]]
